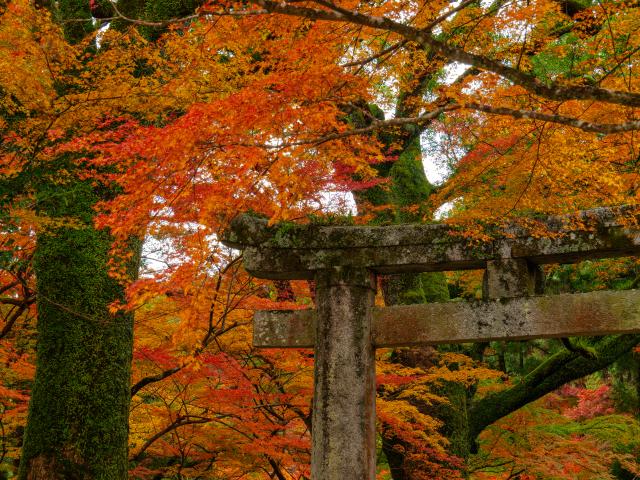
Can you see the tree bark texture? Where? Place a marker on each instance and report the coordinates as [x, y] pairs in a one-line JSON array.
[[78, 415]]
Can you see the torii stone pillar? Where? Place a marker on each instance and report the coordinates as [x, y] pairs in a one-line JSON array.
[[346, 327], [344, 390]]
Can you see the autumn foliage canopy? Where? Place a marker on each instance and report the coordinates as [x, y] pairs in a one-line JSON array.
[[291, 110]]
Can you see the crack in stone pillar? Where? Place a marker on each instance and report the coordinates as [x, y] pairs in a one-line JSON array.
[[343, 436]]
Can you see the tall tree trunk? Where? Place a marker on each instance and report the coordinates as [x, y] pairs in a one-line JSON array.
[[78, 415], [409, 186], [521, 352], [636, 383], [77, 426]]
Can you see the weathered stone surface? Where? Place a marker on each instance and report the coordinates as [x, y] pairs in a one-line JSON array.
[[594, 313], [302, 263], [248, 230], [296, 251], [295, 328], [343, 436], [511, 277]]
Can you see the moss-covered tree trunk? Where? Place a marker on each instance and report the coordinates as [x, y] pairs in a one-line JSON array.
[[77, 426], [78, 416], [408, 186]]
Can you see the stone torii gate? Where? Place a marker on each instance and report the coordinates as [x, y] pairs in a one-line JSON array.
[[346, 327]]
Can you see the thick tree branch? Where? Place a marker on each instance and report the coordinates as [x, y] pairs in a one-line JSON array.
[[559, 369], [154, 378], [334, 13], [276, 468], [15, 313], [552, 91], [605, 128], [373, 127], [9, 286], [18, 302], [426, 118]]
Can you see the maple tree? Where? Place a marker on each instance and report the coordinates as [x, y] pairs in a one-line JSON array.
[[66, 228], [80, 402]]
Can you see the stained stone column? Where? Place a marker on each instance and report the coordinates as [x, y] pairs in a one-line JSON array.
[[344, 396], [512, 277]]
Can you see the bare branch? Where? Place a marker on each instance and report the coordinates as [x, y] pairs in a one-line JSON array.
[[381, 53], [178, 422], [163, 23], [426, 118], [146, 23], [212, 334], [381, 124], [447, 14], [604, 128]]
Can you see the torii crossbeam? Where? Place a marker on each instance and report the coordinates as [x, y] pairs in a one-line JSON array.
[[346, 327]]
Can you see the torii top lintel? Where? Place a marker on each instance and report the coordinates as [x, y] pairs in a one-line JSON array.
[[297, 251]]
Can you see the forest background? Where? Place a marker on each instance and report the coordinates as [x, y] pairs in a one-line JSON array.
[[154, 132]]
